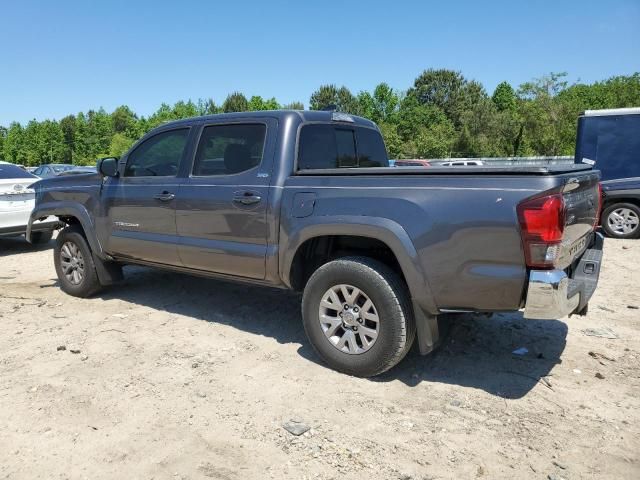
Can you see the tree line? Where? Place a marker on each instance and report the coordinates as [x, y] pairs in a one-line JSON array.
[[442, 115]]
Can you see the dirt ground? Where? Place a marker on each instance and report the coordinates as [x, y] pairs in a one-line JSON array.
[[183, 378]]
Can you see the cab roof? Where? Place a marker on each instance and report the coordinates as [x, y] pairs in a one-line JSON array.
[[303, 115]]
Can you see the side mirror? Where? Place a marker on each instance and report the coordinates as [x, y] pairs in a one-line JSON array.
[[108, 166]]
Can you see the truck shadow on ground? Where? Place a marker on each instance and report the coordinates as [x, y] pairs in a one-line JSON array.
[[17, 245], [476, 352]]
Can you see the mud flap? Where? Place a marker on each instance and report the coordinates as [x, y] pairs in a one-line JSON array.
[[108, 272], [427, 329]]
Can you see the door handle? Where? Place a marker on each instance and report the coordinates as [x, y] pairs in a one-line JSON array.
[[164, 196], [246, 198]]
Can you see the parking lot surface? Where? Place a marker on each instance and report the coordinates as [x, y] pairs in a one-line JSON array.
[[171, 376]]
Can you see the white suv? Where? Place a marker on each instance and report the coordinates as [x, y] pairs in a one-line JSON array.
[[16, 202], [462, 163]]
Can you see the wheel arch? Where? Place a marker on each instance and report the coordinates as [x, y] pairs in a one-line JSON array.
[[70, 214], [609, 201], [378, 238]]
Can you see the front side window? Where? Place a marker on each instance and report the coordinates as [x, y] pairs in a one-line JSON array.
[[158, 156], [229, 149], [323, 146]]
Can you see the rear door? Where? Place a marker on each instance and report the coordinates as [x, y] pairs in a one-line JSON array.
[[221, 209], [140, 204]]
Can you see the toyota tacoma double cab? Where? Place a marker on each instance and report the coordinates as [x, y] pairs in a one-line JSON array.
[[305, 200]]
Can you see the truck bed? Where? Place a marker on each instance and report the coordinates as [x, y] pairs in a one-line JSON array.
[[472, 170]]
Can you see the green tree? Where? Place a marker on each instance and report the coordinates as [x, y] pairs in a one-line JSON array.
[[80, 144], [3, 136], [504, 97], [68, 126], [99, 133], [43, 143], [414, 116], [392, 140], [120, 143], [365, 105], [386, 102], [328, 95], [160, 116], [14, 144], [207, 107], [236, 102], [543, 115], [293, 106], [183, 109], [257, 103], [436, 140], [324, 97], [123, 119]]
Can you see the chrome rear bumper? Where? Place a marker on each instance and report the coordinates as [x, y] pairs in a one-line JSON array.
[[552, 294]]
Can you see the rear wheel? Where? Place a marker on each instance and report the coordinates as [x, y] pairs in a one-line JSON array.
[[358, 316], [621, 220], [74, 264], [40, 238]]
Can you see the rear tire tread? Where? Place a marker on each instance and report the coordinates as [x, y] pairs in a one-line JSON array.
[[401, 309]]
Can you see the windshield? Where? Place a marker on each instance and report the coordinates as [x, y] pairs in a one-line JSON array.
[[8, 170], [61, 168]]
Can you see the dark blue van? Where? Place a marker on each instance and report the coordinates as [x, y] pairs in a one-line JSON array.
[[610, 140]]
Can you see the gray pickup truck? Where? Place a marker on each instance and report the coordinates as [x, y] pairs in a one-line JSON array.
[[307, 201]]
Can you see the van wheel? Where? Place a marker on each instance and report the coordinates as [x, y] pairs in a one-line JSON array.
[[358, 317], [621, 220], [74, 264]]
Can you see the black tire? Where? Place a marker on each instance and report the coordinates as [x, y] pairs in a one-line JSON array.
[[610, 211], [389, 294], [89, 283], [40, 238]]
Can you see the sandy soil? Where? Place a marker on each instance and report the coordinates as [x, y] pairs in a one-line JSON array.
[[183, 378]]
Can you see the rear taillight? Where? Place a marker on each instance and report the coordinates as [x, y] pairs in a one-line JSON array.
[[599, 209], [542, 226]]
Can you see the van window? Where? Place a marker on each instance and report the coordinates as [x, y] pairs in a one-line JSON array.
[[612, 142]]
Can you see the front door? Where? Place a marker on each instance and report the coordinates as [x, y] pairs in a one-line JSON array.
[[141, 203], [221, 209]]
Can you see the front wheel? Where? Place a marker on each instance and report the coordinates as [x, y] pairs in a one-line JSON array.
[[358, 316], [621, 220], [74, 264]]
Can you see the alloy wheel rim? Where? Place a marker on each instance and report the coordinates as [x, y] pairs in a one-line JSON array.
[[349, 319], [72, 263], [623, 221]]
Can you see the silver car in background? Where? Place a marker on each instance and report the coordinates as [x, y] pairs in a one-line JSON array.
[[17, 200]]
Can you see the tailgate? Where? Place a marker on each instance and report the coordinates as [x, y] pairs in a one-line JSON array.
[[582, 207]]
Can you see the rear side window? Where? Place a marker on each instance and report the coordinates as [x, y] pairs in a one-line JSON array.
[[371, 150], [324, 146], [229, 149], [8, 170]]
